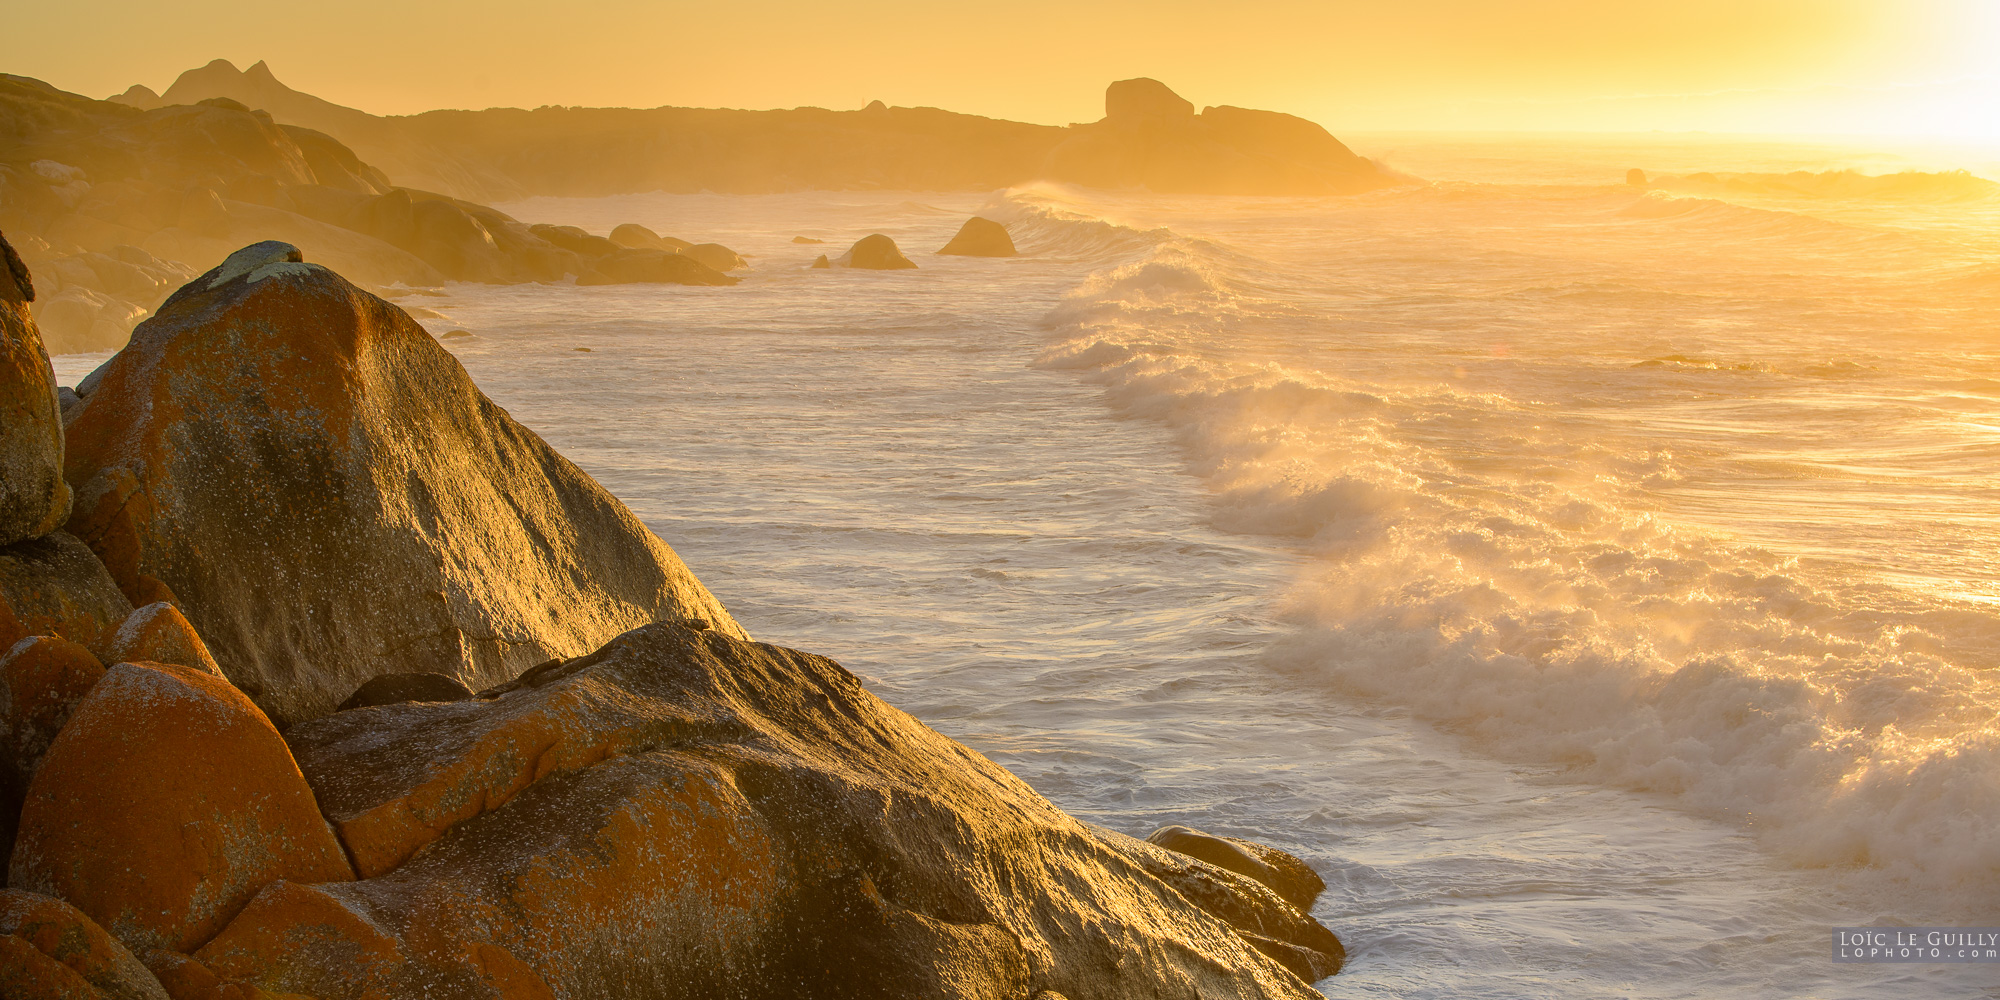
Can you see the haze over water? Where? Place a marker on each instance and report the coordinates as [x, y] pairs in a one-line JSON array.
[[1596, 584]]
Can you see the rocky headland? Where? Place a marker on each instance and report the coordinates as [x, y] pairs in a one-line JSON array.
[[117, 203], [116, 207], [323, 677]]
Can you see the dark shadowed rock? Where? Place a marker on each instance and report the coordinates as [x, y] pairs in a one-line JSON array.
[[390, 689], [45, 941], [749, 820], [821, 262], [980, 238], [874, 253], [655, 266], [34, 500], [42, 679], [1290, 878], [806, 239], [329, 497], [164, 805], [55, 585]]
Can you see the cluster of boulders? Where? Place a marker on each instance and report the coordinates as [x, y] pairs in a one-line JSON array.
[[116, 207], [323, 677]]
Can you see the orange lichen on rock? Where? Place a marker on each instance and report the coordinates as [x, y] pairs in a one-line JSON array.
[[329, 497], [56, 586], [187, 979], [164, 805], [158, 632], [42, 678], [748, 819], [49, 948], [34, 500]]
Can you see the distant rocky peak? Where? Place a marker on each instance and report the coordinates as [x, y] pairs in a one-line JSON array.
[[1144, 98]]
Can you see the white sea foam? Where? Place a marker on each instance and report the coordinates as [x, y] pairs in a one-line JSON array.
[[1506, 554]]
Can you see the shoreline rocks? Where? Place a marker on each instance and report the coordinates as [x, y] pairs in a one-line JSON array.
[[299, 487]]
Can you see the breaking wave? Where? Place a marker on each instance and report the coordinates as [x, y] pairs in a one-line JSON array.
[[1506, 556]]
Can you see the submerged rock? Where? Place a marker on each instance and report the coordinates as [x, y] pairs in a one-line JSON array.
[[683, 813], [874, 253], [164, 805], [329, 497], [980, 238]]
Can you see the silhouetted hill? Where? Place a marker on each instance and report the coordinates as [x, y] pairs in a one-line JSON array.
[[504, 153]]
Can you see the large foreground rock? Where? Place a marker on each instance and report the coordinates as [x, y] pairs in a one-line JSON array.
[[34, 500], [49, 949], [164, 805], [328, 497], [687, 814]]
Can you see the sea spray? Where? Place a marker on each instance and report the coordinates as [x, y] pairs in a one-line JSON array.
[[1502, 565]]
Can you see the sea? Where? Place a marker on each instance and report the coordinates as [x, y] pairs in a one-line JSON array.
[[1597, 582]]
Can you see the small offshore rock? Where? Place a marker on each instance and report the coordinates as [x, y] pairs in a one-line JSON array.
[[980, 237], [875, 253]]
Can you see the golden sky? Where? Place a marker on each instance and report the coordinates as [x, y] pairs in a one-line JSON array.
[[1777, 66]]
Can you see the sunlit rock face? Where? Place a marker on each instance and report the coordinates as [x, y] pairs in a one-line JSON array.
[[686, 814], [166, 802], [34, 500], [328, 497], [1151, 138]]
